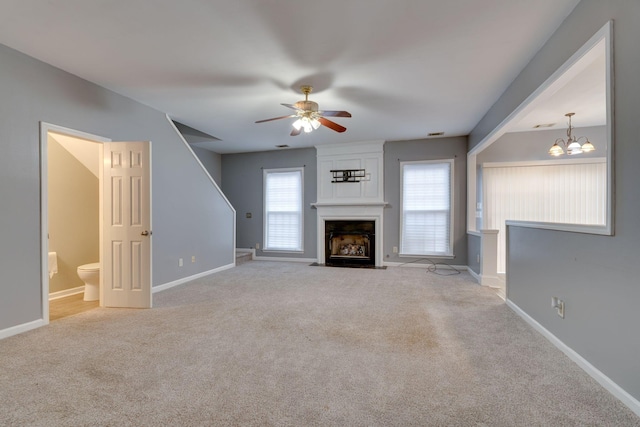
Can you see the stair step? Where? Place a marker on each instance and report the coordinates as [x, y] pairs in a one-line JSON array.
[[242, 257]]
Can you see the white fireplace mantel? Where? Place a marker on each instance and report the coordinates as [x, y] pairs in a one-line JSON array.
[[351, 212], [353, 204], [357, 201]]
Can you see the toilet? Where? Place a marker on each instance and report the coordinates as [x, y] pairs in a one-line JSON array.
[[90, 275]]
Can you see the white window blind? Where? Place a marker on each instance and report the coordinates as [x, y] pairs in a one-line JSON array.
[[564, 193], [283, 209], [426, 208]]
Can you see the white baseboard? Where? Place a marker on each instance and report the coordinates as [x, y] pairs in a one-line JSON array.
[[490, 281], [282, 259], [178, 282], [475, 275], [15, 330], [66, 293], [416, 265], [484, 280], [479, 278], [596, 374]]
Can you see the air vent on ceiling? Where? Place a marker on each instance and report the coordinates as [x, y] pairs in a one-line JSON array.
[[436, 133], [544, 125]]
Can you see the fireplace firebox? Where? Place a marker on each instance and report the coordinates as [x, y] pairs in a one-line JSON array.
[[350, 243]]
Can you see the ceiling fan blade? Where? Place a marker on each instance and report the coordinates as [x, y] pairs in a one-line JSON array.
[[296, 132], [335, 113], [331, 125], [293, 107], [276, 118]]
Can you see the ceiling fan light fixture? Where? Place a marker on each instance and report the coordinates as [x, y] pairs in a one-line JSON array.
[[309, 117], [306, 124]]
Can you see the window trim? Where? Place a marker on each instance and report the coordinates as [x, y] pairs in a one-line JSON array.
[[265, 172], [450, 253]]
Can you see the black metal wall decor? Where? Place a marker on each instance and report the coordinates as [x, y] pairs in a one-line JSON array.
[[348, 175]]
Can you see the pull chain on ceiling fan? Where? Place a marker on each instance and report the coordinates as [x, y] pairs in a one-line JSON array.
[[309, 117]]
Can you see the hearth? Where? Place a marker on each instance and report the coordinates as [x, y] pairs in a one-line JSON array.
[[350, 243]]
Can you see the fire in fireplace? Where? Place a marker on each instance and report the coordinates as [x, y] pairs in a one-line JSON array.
[[350, 243]]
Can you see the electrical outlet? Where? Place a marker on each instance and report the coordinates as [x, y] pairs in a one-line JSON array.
[[560, 308], [395, 249], [193, 258], [558, 304], [180, 262], [257, 245]]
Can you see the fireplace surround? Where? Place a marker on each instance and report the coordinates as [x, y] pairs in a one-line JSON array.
[[350, 243], [350, 201], [371, 213]]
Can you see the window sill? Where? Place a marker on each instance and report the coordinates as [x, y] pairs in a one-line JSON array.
[[282, 251], [427, 256]]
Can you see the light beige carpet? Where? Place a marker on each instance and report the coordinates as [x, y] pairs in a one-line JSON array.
[[287, 344]]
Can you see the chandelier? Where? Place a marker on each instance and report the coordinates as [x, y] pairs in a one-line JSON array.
[[572, 144]]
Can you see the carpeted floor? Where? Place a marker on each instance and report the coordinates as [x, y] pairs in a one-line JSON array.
[[286, 344]]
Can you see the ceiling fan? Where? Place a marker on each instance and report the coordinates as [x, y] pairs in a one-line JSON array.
[[309, 117]]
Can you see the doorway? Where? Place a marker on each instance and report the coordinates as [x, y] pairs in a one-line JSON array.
[[73, 189], [113, 229]]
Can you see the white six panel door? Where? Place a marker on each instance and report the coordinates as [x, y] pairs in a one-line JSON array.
[[126, 252]]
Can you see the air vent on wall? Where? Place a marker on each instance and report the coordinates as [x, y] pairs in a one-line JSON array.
[[436, 134], [282, 146]]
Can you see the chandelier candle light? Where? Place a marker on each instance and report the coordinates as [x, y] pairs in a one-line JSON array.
[[572, 144]]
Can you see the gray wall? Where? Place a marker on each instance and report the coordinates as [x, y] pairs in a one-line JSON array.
[[189, 217], [474, 246], [425, 149], [596, 276], [242, 184], [211, 161]]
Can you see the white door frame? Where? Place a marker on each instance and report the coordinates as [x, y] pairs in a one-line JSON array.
[[45, 128]]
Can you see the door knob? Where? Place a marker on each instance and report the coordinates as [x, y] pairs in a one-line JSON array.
[[146, 233]]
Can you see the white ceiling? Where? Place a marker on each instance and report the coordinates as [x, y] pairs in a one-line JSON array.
[[403, 68], [581, 89]]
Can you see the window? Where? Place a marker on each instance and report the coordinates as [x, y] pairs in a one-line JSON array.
[[426, 208], [283, 209]]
